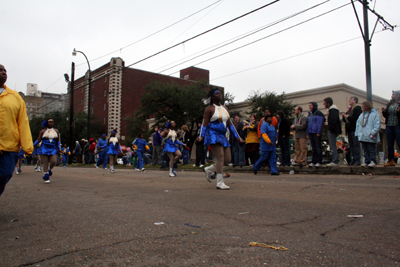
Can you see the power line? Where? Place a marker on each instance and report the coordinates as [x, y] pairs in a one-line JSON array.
[[249, 34], [265, 37], [223, 24], [148, 36], [283, 59]]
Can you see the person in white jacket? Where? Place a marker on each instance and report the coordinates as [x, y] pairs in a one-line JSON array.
[[367, 131]]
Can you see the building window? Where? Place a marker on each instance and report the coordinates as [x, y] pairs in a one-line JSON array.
[[105, 79], [81, 101], [105, 92], [92, 97], [81, 89], [104, 120], [104, 106]]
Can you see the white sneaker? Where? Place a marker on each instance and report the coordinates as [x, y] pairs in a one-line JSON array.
[[332, 164], [143, 169], [194, 165], [47, 181], [112, 170], [17, 171], [97, 167], [364, 165], [230, 164], [201, 165], [220, 182], [372, 164], [317, 165], [209, 171], [171, 174], [311, 165], [137, 170], [293, 164], [105, 168]]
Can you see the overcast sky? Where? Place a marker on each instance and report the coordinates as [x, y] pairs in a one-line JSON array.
[[39, 36]]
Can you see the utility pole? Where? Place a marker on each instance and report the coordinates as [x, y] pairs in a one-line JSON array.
[[71, 109], [367, 40]]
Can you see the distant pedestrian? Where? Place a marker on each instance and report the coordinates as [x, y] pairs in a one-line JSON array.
[[78, 152], [367, 131], [86, 152], [38, 152], [252, 147], [334, 129], [392, 121], [157, 148], [283, 133], [14, 129], [300, 136], [200, 149], [350, 118], [274, 121], [315, 122], [238, 145], [21, 157]]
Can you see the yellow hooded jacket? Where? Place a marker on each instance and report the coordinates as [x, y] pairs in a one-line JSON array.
[[14, 123]]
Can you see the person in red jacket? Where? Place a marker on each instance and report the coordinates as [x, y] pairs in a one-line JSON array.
[[92, 148], [274, 121]]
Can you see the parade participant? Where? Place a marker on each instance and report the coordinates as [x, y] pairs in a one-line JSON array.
[[367, 131], [65, 154], [38, 151], [170, 147], [283, 132], [102, 152], [216, 121], [274, 121], [267, 147], [114, 149], [92, 148], [50, 147], [21, 157], [78, 152], [140, 146], [157, 149], [14, 129]]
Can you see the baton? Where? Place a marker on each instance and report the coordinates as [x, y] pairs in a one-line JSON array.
[[235, 129]]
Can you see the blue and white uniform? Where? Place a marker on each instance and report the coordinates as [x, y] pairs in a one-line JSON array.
[[216, 129], [113, 146], [50, 142], [21, 154], [38, 150], [170, 144]]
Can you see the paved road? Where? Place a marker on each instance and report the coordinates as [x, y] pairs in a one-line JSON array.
[[89, 217]]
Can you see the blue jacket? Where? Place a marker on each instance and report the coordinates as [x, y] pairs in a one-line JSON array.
[[102, 144], [315, 120], [270, 131], [372, 127], [157, 139], [141, 144]]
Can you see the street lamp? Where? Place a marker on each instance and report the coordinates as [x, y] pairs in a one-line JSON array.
[[90, 79]]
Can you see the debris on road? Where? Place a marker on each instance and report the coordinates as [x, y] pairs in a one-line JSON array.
[[243, 212], [159, 223], [192, 225], [256, 244], [355, 216]]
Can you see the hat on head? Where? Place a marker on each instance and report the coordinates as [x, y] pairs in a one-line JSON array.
[[91, 140], [103, 135], [396, 92]]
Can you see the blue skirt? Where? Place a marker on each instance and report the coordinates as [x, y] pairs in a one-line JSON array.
[[170, 146], [49, 148], [216, 134]]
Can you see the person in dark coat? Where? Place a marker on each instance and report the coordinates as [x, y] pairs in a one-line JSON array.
[[283, 133], [350, 118], [334, 129], [392, 121]]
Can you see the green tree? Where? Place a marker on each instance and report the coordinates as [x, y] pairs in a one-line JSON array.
[[260, 101], [169, 101], [61, 122]]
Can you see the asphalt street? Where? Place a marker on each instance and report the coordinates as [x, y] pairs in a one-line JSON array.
[[90, 217]]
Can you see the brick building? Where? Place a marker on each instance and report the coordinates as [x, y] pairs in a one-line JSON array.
[[116, 91]]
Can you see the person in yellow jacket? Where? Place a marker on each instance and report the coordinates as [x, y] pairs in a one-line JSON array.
[[252, 148], [14, 130]]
